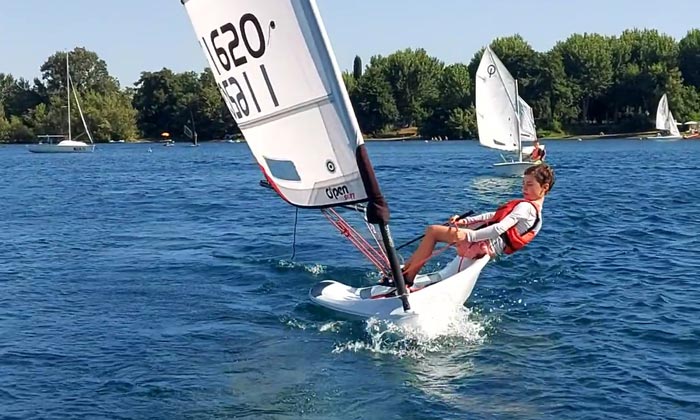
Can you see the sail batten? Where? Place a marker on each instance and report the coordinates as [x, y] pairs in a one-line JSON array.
[[274, 66], [302, 107]]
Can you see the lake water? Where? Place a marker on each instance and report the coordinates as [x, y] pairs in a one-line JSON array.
[[160, 285]]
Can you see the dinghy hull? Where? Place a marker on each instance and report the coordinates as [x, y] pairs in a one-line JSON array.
[[447, 288], [512, 168]]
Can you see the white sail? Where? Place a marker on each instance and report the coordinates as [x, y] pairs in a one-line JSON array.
[[662, 114], [80, 110], [673, 126], [528, 131], [496, 105], [664, 118], [274, 65]]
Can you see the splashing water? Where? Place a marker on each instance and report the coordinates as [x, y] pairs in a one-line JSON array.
[[314, 269], [419, 337]]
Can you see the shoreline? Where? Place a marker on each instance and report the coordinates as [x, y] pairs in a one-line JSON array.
[[613, 136]]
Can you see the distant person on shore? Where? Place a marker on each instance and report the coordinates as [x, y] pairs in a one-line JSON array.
[[537, 154], [504, 231]]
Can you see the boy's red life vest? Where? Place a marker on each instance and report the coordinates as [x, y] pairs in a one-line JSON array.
[[514, 240]]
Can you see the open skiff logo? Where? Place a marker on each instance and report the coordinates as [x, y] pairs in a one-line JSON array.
[[330, 166], [491, 70], [340, 192]]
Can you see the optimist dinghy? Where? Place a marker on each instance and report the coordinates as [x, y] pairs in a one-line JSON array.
[[503, 118], [665, 122], [275, 68]]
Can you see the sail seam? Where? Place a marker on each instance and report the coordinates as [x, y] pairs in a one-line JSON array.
[[302, 107]]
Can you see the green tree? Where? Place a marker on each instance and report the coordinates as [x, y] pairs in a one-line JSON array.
[[685, 102], [7, 82], [17, 95], [164, 101], [88, 72], [357, 68], [212, 117], [448, 111], [455, 87], [350, 82], [4, 124], [413, 78], [18, 130], [646, 65], [461, 123], [110, 115], [689, 57], [587, 62], [556, 103], [49, 118], [373, 100], [159, 99]]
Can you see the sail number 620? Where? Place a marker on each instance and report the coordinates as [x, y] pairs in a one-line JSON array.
[[228, 57]]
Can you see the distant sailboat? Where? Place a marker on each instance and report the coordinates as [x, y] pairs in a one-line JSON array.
[[191, 133], [499, 114], [665, 121], [67, 145]]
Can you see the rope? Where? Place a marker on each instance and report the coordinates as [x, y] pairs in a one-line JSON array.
[[360, 243], [376, 257], [374, 234], [294, 237]]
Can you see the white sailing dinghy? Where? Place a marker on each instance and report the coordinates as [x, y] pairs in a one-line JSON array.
[[498, 113], [275, 68], [66, 144], [665, 121]]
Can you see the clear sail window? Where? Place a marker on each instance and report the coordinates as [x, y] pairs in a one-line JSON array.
[[283, 169]]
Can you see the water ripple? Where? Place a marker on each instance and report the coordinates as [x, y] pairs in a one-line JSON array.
[[161, 285]]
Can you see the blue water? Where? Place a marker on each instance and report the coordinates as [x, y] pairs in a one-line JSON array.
[[160, 285]]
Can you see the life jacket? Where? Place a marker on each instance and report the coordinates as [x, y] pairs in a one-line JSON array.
[[537, 154], [514, 240]]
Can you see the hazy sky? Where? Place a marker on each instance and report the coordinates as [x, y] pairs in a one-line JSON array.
[[147, 35]]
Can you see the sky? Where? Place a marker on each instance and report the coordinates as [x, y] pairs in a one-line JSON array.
[[146, 35]]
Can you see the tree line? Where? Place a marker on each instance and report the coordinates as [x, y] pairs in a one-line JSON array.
[[161, 101], [585, 84]]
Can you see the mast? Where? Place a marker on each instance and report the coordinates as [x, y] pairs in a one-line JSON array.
[[378, 214], [377, 207], [194, 129], [68, 93], [517, 115]]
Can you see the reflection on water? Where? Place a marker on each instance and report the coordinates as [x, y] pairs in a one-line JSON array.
[[492, 190]]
